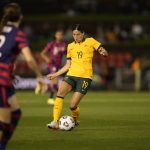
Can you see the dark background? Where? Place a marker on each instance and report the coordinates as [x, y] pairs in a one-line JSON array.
[[121, 25]]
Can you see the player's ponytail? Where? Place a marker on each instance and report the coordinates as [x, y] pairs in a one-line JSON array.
[[3, 23], [12, 13]]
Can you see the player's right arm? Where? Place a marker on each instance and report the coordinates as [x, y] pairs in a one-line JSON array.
[[61, 71], [46, 51], [44, 56]]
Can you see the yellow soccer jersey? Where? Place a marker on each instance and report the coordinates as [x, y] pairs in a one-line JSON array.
[[81, 55]]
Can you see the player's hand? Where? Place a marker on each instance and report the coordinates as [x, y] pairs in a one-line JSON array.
[[103, 51], [48, 60], [41, 86], [52, 76]]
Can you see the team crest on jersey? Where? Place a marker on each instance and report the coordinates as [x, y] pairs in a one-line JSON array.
[[85, 45]]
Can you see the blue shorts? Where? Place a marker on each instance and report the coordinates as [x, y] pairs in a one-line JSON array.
[[5, 94]]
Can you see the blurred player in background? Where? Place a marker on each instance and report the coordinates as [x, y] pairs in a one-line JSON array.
[[53, 54], [79, 73], [12, 43]]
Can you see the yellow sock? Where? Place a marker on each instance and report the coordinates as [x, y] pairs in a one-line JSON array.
[[58, 104], [75, 113]]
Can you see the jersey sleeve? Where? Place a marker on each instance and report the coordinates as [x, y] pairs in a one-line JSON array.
[[21, 40], [68, 52], [95, 44], [47, 48]]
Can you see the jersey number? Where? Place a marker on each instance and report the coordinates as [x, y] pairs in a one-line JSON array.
[[2, 40], [85, 85], [80, 54]]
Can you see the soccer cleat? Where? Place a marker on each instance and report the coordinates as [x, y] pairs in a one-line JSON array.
[[50, 101], [37, 89], [41, 88], [53, 125], [77, 122]]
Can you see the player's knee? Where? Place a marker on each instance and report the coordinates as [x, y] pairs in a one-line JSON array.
[[61, 93]]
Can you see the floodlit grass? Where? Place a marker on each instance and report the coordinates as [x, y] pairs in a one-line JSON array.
[[109, 121]]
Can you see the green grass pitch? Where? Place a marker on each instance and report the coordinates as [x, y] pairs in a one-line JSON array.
[[109, 121]]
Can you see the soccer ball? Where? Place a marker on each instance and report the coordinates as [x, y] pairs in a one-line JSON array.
[[66, 123]]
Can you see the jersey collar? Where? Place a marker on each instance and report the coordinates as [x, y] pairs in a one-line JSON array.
[[80, 42]]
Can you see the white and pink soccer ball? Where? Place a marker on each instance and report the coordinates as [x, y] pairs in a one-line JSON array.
[[66, 123]]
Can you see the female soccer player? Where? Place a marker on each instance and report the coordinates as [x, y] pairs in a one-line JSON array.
[[53, 54], [79, 73], [12, 42]]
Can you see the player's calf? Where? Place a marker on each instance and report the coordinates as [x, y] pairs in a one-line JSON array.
[[75, 114], [4, 129], [8, 129], [15, 118]]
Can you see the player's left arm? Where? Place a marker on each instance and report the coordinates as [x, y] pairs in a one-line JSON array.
[[97, 46], [23, 47], [34, 66], [102, 51]]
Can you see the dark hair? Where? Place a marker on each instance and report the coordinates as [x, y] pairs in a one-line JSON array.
[[59, 30], [11, 12], [79, 27]]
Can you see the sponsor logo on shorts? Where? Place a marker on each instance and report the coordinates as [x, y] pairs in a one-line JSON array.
[[65, 78]]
